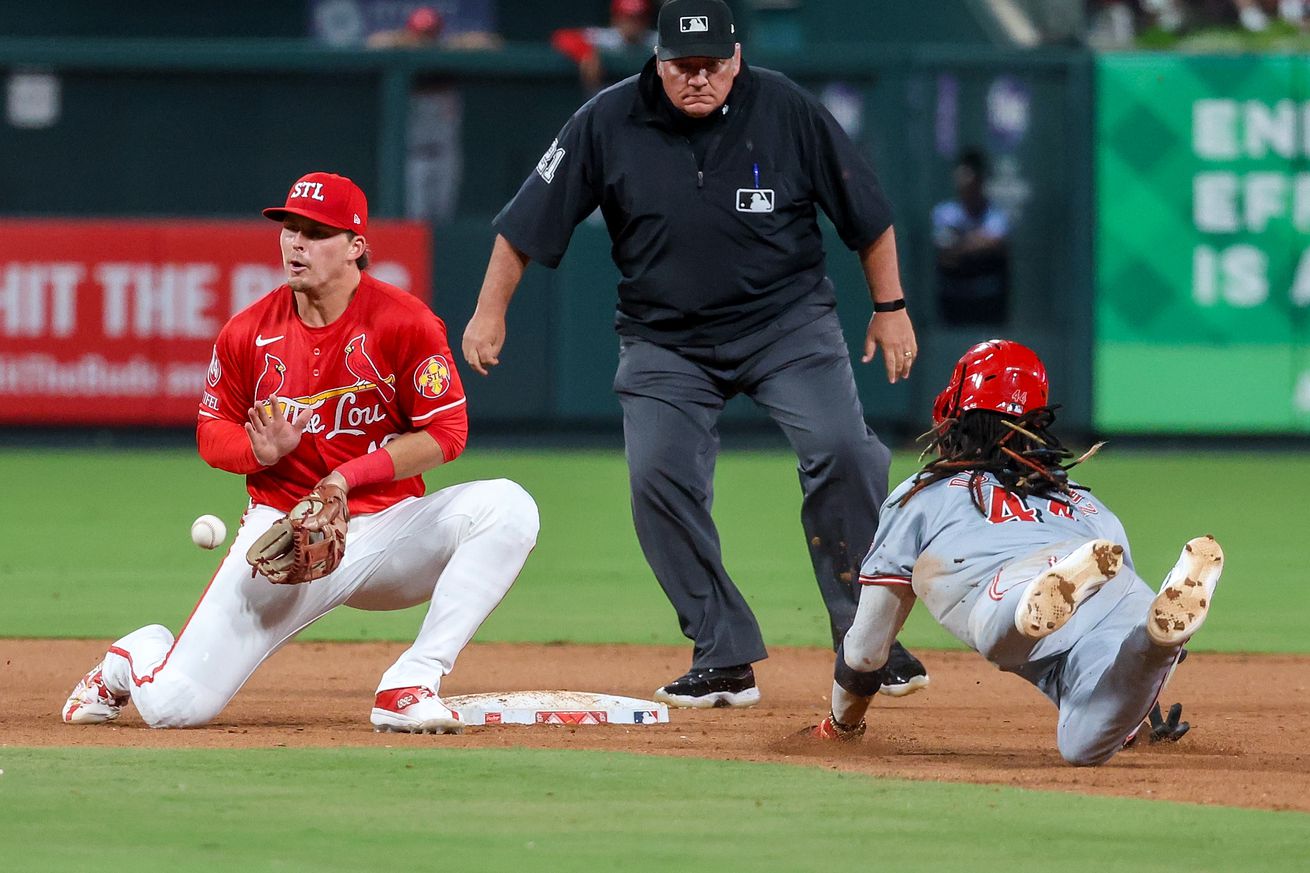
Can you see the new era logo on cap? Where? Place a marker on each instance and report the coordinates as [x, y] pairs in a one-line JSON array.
[[694, 24]]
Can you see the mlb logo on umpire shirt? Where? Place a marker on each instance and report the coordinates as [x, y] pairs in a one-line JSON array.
[[694, 23], [754, 199]]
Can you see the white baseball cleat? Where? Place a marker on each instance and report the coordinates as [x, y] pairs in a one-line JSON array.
[[414, 710], [91, 701], [1184, 599], [1051, 599]]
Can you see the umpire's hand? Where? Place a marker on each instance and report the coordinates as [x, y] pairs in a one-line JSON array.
[[483, 339], [893, 331]]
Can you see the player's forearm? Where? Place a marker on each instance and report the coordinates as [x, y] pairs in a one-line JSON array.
[[504, 272], [881, 268], [878, 619], [224, 445], [409, 454], [415, 453]]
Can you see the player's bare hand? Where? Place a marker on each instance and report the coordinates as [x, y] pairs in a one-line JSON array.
[[894, 332], [274, 428], [483, 339]]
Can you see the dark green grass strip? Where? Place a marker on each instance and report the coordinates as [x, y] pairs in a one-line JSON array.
[[415, 807]]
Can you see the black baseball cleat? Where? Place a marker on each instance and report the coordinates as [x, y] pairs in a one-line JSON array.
[[903, 674], [712, 687]]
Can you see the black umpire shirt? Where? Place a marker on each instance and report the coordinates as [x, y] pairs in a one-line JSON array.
[[713, 221]]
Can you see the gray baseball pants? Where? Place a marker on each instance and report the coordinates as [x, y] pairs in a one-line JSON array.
[[1101, 669], [798, 369]]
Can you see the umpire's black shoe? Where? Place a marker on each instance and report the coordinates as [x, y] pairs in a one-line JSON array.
[[711, 687], [904, 673]]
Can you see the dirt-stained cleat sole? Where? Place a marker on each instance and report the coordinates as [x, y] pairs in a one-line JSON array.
[[1051, 599], [1184, 600]]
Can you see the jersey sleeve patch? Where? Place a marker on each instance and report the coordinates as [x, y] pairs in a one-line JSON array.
[[432, 377]]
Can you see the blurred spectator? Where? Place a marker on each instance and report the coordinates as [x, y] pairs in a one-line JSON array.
[[630, 28], [434, 156], [403, 24], [1254, 15], [971, 236], [426, 27], [1111, 24], [1114, 24]]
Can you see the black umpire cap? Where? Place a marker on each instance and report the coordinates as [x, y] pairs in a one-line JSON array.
[[695, 29]]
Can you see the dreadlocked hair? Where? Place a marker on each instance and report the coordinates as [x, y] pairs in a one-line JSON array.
[[1021, 452]]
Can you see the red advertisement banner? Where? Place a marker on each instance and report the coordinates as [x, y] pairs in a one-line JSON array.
[[112, 322]]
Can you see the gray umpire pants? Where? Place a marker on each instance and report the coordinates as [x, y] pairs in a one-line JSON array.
[[798, 369]]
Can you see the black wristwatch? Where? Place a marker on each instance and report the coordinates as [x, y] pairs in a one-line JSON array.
[[890, 305]]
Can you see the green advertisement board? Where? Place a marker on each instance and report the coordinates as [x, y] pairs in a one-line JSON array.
[[1202, 244]]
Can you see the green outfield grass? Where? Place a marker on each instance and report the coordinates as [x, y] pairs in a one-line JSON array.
[[432, 809], [96, 544]]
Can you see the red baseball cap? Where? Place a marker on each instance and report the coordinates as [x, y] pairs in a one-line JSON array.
[[326, 198], [630, 8], [425, 21]]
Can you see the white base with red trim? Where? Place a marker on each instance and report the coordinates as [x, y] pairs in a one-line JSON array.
[[555, 707]]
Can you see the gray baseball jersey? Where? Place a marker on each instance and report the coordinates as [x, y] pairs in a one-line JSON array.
[[951, 554]]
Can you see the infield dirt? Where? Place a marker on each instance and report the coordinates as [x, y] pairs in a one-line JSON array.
[[1247, 747]]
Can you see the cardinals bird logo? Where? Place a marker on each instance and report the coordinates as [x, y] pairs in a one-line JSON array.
[[361, 366], [432, 377], [270, 381], [215, 372]]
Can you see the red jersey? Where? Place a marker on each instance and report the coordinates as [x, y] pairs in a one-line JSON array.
[[383, 368]]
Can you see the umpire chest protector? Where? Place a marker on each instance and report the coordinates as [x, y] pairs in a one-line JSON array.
[[713, 221]]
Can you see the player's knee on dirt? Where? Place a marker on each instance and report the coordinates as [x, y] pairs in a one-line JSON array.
[[176, 702], [1083, 750]]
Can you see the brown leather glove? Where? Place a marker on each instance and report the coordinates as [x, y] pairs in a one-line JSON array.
[[305, 544]]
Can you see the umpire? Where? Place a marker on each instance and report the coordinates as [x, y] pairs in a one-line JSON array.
[[708, 174]]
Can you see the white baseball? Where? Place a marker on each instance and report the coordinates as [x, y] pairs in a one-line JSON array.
[[208, 531]]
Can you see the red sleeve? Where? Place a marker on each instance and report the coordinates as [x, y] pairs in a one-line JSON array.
[[573, 43], [225, 446], [451, 431], [220, 419]]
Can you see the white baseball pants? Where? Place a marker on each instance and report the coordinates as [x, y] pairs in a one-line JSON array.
[[460, 548]]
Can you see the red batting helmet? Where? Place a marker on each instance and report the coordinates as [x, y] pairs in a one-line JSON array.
[[997, 375]]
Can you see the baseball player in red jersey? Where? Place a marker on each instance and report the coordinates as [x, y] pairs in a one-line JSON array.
[[339, 379]]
